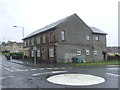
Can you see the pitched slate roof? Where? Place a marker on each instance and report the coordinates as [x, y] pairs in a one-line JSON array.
[[48, 27], [95, 30]]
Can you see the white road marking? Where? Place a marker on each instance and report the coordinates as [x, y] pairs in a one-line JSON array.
[[5, 65], [113, 74], [55, 68], [33, 69], [2, 78], [0, 65], [49, 68], [37, 74], [6, 77], [42, 69], [40, 74], [9, 69], [58, 71], [22, 70], [63, 68]]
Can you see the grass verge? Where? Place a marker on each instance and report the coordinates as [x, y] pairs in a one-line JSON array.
[[95, 63]]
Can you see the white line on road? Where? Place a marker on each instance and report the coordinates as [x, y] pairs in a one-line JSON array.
[[55, 68], [40, 74], [33, 69], [6, 77], [54, 72], [49, 68], [9, 69], [42, 69], [5, 65], [22, 70], [113, 74]]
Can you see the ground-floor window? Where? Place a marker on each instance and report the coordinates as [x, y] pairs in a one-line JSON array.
[[32, 53], [95, 52], [51, 52], [38, 53], [78, 52], [87, 52]]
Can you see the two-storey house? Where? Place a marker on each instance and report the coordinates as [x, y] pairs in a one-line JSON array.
[[67, 38]]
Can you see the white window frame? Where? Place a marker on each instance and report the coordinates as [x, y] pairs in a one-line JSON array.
[[62, 35], [97, 38], [51, 52], [95, 52], [87, 52], [38, 53], [78, 52], [43, 38], [87, 37]]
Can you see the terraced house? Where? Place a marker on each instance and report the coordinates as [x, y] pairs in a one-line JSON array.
[[67, 38]]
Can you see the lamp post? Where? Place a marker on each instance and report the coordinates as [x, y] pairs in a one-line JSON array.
[[23, 37]]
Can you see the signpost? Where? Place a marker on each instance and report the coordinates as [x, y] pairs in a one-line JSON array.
[[35, 60]]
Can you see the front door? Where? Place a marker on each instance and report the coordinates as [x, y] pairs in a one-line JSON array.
[[44, 52]]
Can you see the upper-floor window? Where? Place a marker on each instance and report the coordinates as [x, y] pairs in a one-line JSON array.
[[62, 35], [51, 37], [97, 38], [38, 40], [87, 38], [32, 41], [43, 38]]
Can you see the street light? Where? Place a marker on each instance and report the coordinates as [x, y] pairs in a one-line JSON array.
[[23, 38]]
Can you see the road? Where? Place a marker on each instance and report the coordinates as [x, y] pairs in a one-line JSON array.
[[16, 75]]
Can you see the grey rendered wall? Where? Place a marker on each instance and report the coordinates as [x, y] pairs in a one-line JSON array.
[[99, 46], [75, 38]]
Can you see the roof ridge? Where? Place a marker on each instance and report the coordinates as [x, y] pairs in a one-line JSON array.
[[52, 25]]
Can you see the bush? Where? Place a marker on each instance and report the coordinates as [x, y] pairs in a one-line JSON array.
[[16, 54]]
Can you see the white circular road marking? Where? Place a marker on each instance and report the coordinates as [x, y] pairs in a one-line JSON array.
[[76, 79]]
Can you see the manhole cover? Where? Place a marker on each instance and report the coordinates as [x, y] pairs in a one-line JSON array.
[[76, 79]]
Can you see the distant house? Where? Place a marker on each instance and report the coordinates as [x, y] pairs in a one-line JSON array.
[[12, 46], [67, 38], [112, 50]]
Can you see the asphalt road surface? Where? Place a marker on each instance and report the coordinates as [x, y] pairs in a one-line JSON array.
[[16, 75]]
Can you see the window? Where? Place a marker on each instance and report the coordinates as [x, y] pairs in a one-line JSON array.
[[25, 43], [38, 53], [51, 37], [88, 38], [32, 41], [32, 53], [63, 35], [87, 52], [78, 52], [38, 40], [51, 52], [43, 38], [97, 38], [95, 52], [28, 42]]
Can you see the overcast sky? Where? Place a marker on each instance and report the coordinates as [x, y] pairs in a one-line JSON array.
[[35, 14]]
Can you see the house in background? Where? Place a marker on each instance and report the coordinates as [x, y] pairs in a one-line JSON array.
[[13, 47], [67, 38], [112, 50]]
